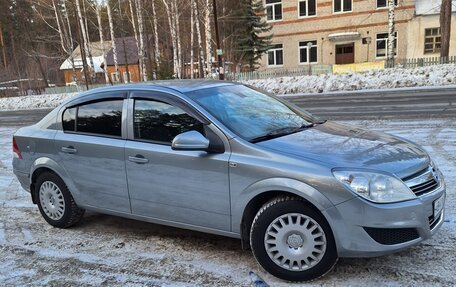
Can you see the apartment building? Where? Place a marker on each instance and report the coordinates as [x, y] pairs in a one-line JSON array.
[[338, 31]]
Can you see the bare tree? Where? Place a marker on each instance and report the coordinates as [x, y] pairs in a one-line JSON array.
[[200, 42], [445, 28], [142, 58], [176, 71], [156, 42], [100, 31], [85, 35], [391, 33], [113, 40], [176, 15], [208, 34], [192, 38]]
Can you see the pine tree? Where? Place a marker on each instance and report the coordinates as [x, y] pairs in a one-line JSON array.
[[253, 40]]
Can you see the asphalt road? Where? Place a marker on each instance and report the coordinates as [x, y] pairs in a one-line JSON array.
[[360, 105]]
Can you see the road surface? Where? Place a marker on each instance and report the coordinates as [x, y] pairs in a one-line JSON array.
[[423, 103]]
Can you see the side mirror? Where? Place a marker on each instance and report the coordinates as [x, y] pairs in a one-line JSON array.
[[191, 140]]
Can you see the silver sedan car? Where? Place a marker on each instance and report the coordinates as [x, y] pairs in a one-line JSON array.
[[227, 159]]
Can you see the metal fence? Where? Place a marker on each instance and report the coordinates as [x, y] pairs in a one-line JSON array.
[[423, 62]]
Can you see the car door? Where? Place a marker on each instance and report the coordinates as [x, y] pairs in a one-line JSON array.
[[189, 187], [91, 147]]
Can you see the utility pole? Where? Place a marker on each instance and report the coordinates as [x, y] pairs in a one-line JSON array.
[[445, 29], [217, 38]]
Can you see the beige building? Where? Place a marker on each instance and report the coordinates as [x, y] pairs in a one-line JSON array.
[[346, 31]]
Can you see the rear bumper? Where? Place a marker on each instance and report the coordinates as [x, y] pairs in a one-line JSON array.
[[408, 223], [23, 178]]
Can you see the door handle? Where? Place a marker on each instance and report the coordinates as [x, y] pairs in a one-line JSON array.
[[69, 149], [138, 159]]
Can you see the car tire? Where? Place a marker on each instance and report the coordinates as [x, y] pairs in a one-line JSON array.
[[55, 202], [291, 240]]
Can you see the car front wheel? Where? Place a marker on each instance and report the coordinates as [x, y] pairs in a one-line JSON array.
[[292, 241], [55, 202]]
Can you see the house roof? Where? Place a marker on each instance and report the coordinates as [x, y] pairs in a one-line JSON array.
[[127, 52]]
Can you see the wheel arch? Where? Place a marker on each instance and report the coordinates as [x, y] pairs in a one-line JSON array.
[[264, 191]]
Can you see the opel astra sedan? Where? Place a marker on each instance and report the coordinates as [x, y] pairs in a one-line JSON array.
[[227, 159]]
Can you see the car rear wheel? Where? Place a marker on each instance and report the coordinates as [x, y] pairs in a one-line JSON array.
[[292, 241], [55, 202]]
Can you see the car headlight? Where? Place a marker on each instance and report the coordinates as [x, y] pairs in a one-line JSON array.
[[376, 187]]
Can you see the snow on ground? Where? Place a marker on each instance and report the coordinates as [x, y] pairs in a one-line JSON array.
[[110, 251], [439, 75]]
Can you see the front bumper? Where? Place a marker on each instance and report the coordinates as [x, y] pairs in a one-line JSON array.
[[349, 221]]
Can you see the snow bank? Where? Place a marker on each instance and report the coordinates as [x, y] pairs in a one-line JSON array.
[[438, 75], [33, 102]]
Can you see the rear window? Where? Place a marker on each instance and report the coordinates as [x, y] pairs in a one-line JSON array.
[[100, 118]]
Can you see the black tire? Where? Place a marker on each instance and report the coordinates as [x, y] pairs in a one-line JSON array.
[[71, 215], [271, 212]]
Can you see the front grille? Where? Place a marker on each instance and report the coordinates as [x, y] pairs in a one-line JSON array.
[[391, 236], [425, 187], [423, 182]]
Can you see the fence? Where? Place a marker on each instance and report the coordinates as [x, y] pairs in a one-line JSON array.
[[423, 62], [275, 73], [70, 89]]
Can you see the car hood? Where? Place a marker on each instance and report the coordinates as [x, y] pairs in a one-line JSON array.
[[338, 145]]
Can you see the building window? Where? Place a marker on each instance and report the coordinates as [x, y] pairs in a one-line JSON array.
[[275, 55], [384, 3], [432, 40], [382, 45], [126, 77], [274, 10], [342, 6], [307, 8], [305, 54], [115, 77]]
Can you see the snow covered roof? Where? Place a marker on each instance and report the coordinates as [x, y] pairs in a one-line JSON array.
[[430, 7], [97, 55]]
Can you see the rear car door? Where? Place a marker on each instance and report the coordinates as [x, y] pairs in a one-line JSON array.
[[91, 148], [189, 187]]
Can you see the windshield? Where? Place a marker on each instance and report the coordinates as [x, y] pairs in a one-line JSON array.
[[251, 114]]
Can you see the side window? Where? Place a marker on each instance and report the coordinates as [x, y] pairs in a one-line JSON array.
[[161, 122], [100, 118], [69, 120]]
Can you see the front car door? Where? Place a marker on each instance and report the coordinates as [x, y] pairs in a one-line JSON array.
[[91, 148], [186, 187]]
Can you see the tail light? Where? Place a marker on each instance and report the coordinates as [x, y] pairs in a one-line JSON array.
[[16, 151]]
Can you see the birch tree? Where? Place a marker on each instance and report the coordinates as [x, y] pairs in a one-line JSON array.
[[172, 28], [100, 31], [156, 43], [142, 62], [192, 24], [391, 34], [176, 15], [113, 40], [208, 34], [200, 42], [84, 35]]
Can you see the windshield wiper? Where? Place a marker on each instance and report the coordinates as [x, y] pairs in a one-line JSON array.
[[281, 132]]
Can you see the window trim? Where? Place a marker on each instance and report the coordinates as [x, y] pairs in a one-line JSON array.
[[307, 9], [273, 11], [88, 102], [164, 143], [342, 7], [386, 7], [275, 56], [386, 49], [433, 37], [308, 53]]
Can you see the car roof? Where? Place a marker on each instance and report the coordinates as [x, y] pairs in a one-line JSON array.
[[182, 86]]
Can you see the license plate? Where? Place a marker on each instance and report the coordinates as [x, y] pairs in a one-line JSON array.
[[438, 206]]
